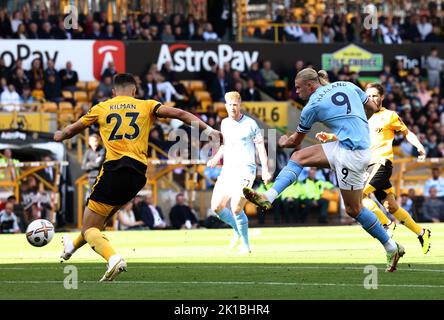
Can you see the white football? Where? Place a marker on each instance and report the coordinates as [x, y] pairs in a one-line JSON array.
[[40, 232]]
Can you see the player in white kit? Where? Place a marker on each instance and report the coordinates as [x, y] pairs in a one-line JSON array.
[[242, 137]]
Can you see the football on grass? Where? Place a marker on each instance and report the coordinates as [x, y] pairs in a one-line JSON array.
[[40, 232]]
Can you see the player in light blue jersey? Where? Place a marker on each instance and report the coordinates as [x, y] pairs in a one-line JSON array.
[[344, 108], [242, 137]]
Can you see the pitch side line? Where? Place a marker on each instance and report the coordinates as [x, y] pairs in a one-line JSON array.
[[221, 267], [253, 283]]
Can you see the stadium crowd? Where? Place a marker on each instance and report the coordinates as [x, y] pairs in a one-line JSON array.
[[305, 21], [329, 21]]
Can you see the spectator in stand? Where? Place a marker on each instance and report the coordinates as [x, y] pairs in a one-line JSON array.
[[110, 71], [156, 219], [433, 208], [392, 36], [181, 216], [250, 93], [16, 21], [27, 99], [21, 32], [150, 87], [93, 158], [96, 33], [140, 92], [154, 34], [48, 173], [308, 36], [106, 86], [38, 93], [33, 31], [424, 27], [69, 77], [52, 89], [36, 73], [50, 71], [127, 220], [59, 32], [407, 203], [124, 33], [8, 220], [220, 86], [293, 31], [268, 74], [209, 34], [190, 27], [45, 31], [167, 34], [20, 80], [4, 71], [109, 33], [10, 99], [199, 35], [256, 74], [434, 66], [435, 182]]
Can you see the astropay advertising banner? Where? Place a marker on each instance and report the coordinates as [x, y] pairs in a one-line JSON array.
[[89, 58]]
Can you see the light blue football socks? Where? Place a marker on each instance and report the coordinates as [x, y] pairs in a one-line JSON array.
[[286, 177], [242, 226], [371, 224]]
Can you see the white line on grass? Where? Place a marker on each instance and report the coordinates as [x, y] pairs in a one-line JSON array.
[[222, 267], [253, 283]]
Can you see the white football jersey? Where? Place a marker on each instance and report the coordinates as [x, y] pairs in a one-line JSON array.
[[239, 144]]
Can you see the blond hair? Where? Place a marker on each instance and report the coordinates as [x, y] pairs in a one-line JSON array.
[[232, 95], [309, 74]]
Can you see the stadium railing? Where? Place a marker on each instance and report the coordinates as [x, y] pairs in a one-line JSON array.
[[265, 25]]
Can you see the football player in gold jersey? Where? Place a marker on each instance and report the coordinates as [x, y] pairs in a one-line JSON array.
[[124, 123], [383, 124]]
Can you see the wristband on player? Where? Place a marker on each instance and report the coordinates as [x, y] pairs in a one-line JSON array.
[[208, 130]]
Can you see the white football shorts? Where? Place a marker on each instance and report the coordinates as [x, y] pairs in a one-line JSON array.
[[232, 183], [350, 165]]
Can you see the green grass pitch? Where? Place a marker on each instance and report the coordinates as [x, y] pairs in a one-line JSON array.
[[286, 263]]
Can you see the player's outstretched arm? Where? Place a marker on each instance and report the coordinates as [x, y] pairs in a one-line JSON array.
[[370, 108], [69, 131], [325, 137], [413, 140], [188, 118], [291, 141]]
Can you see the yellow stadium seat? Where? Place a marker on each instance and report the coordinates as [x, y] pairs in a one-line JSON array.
[[186, 84], [219, 106], [197, 85], [280, 84], [222, 114], [67, 94], [204, 105], [80, 96], [202, 95], [92, 85], [66, 117], [81, 85], [65, 106], [50, 107]]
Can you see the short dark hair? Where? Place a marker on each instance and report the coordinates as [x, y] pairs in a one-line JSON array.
[[123, 80], [377, 86]]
